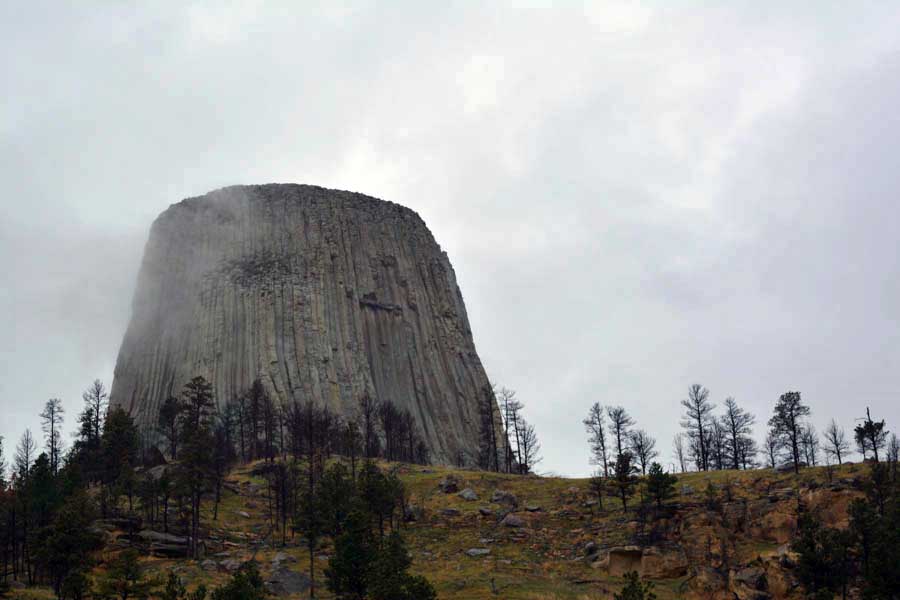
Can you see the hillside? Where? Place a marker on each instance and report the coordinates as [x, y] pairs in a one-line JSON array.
[[725, 543]]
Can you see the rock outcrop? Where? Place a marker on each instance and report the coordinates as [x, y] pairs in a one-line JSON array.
[[322, 294]]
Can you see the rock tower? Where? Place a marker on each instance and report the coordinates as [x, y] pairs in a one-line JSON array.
[[322, 294]]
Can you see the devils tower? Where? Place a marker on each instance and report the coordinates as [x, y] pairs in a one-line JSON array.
[[323, 295]]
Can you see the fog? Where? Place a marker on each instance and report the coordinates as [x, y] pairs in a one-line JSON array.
[[635, 197]]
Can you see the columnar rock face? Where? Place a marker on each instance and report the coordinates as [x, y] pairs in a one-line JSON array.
[[322, 294]]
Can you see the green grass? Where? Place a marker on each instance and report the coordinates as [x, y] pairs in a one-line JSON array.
[[543, 560]]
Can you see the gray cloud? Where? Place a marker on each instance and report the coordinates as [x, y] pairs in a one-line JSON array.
[[635, 197]]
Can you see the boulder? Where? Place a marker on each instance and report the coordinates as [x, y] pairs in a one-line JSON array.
[[231, 565], [485, 512], [512, 520], [709, 584], [468, 494], [242, 513], [285, 582], [450, 512], [449, 484], [477, 552], [532, 508], [749, 583], [169, 550], [506, 498], [663, 562], [158, 537], [283, 557], [209, 565], [412, 513], [622, 559]]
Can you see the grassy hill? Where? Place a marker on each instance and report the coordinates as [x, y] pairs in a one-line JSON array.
[[724, 534]]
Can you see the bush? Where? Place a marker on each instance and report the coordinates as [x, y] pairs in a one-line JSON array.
[[246, 584], [634, 589]]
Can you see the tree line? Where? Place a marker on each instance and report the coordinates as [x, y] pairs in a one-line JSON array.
[[47, 515], [508, 443], [711, 441]]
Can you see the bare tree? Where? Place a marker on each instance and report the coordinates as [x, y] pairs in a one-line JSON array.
[[748, 453], [836, 444], [738, 424], [594, 424], [643, 446], [51, 425], [95, 402], [24, 456], [509, 409], [809, 443], [368, 410], [679, 451], [619, 422], [718, 442], [488, 451], [3, 482], [696, 420], [772, 447], [531, 448]]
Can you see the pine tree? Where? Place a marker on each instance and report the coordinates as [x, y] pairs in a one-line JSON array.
[[168, 422], [787, 425], [389, 578], [347, 575], [624, 478], [660, 485], [197, 462], [871, 435], [634, 589], [125, 579]]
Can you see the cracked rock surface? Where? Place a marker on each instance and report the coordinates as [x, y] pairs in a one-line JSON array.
[[322, 294]]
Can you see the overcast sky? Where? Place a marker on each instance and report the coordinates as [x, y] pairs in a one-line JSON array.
[[635, 197]]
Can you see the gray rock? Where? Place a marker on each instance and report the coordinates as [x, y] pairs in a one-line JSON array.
[[159, 537], [687, 490], [283, 557], [209, 565], [451, 512], [503, 497], [300, 286], [242, 513], [413, 513], [532, 508], [284, 582], [449, 484], [591, 549], [512, 520], [231, 565], [486, 512], [468, 494], [476, 552]]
